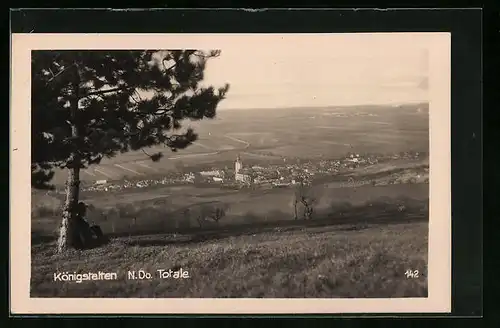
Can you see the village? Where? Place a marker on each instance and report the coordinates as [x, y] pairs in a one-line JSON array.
[[256, 176]]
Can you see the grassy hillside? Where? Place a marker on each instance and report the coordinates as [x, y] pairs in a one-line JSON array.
[[325, 262]]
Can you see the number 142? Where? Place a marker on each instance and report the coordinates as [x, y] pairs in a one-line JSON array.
[[411, 273]]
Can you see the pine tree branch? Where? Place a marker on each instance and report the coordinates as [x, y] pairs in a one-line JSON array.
[[101, 92], [146, 152], [165, 67], [55, 76], [106, 121], [200, 54]]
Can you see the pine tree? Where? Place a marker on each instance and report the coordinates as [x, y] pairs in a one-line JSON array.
[[89, 105]]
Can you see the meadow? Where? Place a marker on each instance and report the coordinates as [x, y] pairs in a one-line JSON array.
[[162, 211]]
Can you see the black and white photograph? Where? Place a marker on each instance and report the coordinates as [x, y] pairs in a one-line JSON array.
[[252, 166]]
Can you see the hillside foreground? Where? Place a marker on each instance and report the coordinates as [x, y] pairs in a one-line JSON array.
[[314, 260], [361, 247], [325, 262]]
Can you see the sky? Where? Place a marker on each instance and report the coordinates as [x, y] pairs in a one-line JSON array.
[[348, 70]]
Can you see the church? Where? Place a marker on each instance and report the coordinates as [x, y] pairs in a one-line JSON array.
[[240, 173]]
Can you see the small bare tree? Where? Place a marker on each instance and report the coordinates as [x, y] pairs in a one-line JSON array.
[[307, 197], [202, 214], [218, 213], [211, 213], [295, 203], [208, 214]]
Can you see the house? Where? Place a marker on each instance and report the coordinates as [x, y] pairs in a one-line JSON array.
[[214, 173], [243, 177]]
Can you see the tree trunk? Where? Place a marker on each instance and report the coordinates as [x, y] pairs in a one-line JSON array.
[[307, 209], [69, 226]]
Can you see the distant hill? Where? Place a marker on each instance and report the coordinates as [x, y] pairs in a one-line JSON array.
[[344, 107]]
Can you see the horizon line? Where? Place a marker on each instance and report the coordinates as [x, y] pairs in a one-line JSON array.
[[416, 102]]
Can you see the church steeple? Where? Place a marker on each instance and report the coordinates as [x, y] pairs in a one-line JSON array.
[[237, 165]]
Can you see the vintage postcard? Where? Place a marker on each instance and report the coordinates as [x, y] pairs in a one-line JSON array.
[[230, 173]]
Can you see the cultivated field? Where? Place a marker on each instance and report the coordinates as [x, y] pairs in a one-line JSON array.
[[272, 134]]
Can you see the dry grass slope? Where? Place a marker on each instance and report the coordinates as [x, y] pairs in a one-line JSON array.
[[326, 262]]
